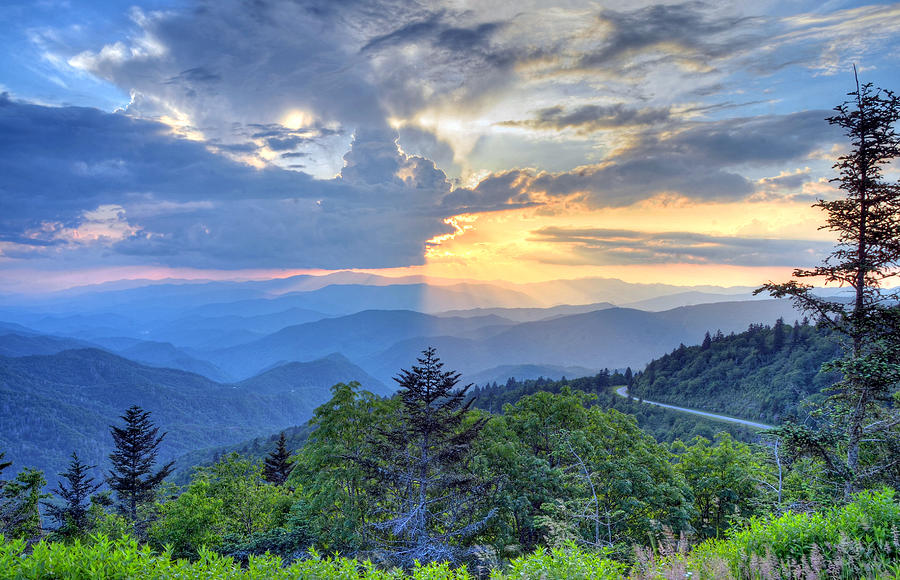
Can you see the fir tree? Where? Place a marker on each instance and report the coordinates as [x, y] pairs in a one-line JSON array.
[[72, 516], [778, 335], [857, 438], [137, 447], [278, 464], [421, 465]]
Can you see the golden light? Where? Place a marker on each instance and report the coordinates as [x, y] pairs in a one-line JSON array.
[[298, 119]]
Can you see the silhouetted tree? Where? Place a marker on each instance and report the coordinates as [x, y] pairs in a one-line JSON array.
[[278, 464], [778, 335], [858, 432], [72, 515], [137, 447]]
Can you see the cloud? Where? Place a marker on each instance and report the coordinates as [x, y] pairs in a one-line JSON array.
[[699, 160], [588, 118], [620, 247], [686, 32], [226, 67], [80, 184]]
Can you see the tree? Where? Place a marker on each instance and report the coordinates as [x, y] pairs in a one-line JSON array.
[[858, 429], [338, 496], [725, 480], [20, 499], [132, 476], [421, 464], [278, 465], [72, 516], [228, 502], [778, 335]]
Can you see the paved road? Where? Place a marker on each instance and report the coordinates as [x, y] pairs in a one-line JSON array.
[[623, 392]]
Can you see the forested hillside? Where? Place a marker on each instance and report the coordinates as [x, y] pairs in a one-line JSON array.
[[54, 404], [764, 373]]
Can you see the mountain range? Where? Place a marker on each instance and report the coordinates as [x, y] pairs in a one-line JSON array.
[[222, 362]]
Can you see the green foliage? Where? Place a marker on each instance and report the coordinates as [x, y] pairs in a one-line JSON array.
[[853, 540], [753, 374], [336, 492], [577, 473], [228, 501], [256, 448], [724, 479], [857, 540], [278, 464], [665, 425], [125, 558], [866, 254], [568, 562], [20, 500]]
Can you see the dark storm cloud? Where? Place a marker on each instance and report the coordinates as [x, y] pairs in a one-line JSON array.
[[620, 247], [683, 31], [436, 31], [135, 191], [589, 118]]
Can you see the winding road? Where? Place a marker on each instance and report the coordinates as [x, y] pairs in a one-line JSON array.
[[623, 392]]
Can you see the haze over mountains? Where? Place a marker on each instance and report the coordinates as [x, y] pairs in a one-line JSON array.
[[221, 362]]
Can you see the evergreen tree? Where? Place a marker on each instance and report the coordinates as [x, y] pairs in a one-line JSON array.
[[857, 438], [20, 498], [72, 516], [278, 464], [421, 466], [707, 341], [137, 447], [778, 335]]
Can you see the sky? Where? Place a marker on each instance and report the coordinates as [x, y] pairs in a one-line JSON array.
[[677, 142]]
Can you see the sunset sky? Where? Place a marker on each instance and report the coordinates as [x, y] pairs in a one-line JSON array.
[[653, 142]]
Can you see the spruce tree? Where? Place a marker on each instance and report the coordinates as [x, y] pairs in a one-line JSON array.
[[278, 464], [72, 515], [137, 446], [857, 436], [421, 465], [778, 335]]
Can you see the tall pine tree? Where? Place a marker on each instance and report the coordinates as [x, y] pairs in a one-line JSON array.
[[857, 438], [137, 447], [72, 515], [421, 466]]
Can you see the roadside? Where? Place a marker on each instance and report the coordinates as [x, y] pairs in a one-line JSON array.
[[623, 392]]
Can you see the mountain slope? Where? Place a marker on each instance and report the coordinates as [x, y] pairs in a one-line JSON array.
[[609, 338], [55, 404], [307, 377], [752, 375], [15, 344], [356, 336]]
